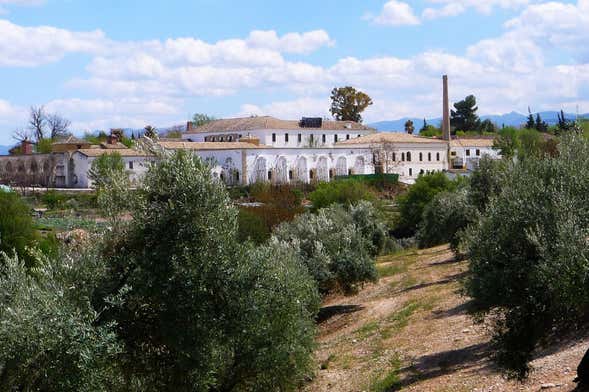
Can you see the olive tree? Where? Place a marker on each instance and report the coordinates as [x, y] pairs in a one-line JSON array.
[[200, 311], [528, 253]]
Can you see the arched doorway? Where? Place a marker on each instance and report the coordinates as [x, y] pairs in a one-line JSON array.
[[322, 170], [341, 168], [281, 171], [302, 172], [260, 170], [359, 165]]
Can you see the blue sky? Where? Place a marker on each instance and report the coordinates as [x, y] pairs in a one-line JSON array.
[[131, 63]]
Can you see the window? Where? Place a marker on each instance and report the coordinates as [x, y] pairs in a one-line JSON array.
[[222, 139], [467, 153], [323, 140], [410, 172], [438, 156], [299, 138], [311, 138], [429, 156], [273, 138], [131, 165], [408, 156], [478, 153], [335, 138], [290, 174], [359, 135], [311, 174], [347, 137], [453, 153], [394, 156], [236, 176], [403, 156], [286, 137], [230, 138], [269, 174], [420, 157]]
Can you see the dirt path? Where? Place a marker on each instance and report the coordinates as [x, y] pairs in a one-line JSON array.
[[411, 331]]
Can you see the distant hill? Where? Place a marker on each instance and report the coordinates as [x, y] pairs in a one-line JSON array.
[[512, 119]]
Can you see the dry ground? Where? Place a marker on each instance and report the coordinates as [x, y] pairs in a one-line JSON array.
[[411, 331]]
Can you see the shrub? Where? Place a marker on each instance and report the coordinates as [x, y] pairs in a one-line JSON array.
[[251, 226], [344, 192], [444, 218], [52, 199], [413, 203], [49, 341], [17, 232], [199, 311], [336, 249], [529, 255], [487, 181]]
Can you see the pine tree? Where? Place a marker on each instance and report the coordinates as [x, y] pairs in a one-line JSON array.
[[465, 117], [541, 125], [531, 123]]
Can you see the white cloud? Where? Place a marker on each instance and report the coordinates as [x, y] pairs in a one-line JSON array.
[[290, 43], [446, 8], [396, 13], [292, 110], [32, 46]]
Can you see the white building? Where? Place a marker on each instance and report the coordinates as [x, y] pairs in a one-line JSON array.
[[465, 153]]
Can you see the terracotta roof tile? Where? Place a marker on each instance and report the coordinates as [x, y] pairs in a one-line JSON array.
[[127, 152], [210, 145], [472, 142], [391, 137]]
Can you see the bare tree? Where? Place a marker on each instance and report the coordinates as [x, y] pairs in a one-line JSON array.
[[58, 125], [22, 134], [37, 121]]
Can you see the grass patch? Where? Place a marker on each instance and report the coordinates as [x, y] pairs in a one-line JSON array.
[[391, 381], [400, 319], [391, 269], [367, 330], [325, 364]]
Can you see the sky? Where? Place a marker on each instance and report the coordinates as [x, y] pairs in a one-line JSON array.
[[128, 63]]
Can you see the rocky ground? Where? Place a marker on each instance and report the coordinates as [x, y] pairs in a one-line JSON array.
[[411, 332]]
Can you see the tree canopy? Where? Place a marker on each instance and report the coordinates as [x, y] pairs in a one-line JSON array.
[[347, 103], [465, 117]]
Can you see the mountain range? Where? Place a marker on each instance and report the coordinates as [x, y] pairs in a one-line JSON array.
[[513, 119]]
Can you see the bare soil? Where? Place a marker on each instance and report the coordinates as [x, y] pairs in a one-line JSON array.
[[411, 331]]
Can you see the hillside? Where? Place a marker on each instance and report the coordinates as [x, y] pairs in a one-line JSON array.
[[411, 331]]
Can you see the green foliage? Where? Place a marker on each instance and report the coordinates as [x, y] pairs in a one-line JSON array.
[[106, 168], [529, 256], [53, 199], [44, 146], [430, 131], [347, 104], [337, 245], [465, 117], [409, 127], [201, 119], [346, 192], [49, 340], [486, 182], [444, 218], [98, 138], [413, 203], [507, 142], [252, 226], [16, 226], [199, 311]]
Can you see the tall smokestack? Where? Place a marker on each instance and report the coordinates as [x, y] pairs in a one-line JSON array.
[[446, 114]]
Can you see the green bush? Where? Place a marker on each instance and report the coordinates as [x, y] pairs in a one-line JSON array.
[[487, 181], [444, 218], [529, 256], [198, 310], [251, 226], [17, 232], [49, 340], [344, 192], [413, 203], [336, 245]]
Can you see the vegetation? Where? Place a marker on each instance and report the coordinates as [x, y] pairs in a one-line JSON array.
[[413, 203], [528, 253], [106, 169], [17, 233], [200, 119], [347, 104], [198, 311], [465, 117], [337, 245], [409, 127], [345, 191]]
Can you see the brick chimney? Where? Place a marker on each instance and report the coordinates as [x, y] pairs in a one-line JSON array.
[[112, 139], [446, 111], [26, 147]]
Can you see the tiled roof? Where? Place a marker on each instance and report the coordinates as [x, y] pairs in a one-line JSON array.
[[472, 142], [267, 122], [115, 146], [210, 145], [391, 137], [70, 140], [127, 152]]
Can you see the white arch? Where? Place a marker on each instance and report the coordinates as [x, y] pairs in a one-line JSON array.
[[322, 170], [281, 171], [302, 173], [341, 168], [260, 171], [359, 165]]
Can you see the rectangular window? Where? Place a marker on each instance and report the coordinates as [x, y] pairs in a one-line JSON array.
[[273, 138], [286, 137], [467, 153], [299, 138], [394, 156], [323, 139], [478, 153], [410, 172], [335, 138], [131, 165], [347, 137], [311, 138]]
